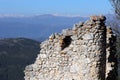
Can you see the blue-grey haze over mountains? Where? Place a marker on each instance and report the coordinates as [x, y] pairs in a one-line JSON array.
[[35, 27], [41, 26]]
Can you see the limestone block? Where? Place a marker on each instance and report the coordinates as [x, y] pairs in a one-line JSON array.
[[43, 56], [88, 36], [74, 68]]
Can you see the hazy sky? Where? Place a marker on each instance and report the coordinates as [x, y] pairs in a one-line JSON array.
[[64, 7]]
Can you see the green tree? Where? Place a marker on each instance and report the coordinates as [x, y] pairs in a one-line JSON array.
[[116, 6]]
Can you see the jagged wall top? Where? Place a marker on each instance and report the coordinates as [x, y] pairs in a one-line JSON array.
[[94, 20], [75, 54]]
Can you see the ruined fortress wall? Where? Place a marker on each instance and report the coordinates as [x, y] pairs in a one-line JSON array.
[[75, 54], [111, 58]]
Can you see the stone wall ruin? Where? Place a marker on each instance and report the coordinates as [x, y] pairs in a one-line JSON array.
[[85, 52]]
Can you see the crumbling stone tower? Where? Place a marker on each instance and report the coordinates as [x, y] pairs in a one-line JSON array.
[[81, 53]]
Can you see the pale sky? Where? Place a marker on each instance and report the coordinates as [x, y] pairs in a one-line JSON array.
[[63, 7]]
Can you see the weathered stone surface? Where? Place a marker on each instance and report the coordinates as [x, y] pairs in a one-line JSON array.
[[88, 36], [75, 54], [67, 32], [74, 68], [111, 62], [98, 18], [43, 56]]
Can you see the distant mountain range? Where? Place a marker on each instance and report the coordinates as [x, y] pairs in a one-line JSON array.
[[16, 53], [36, 27]]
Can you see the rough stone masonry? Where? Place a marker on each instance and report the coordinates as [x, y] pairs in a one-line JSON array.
[[85, 52]]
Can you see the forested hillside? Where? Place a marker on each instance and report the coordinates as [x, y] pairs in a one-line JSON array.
[[15, 54]]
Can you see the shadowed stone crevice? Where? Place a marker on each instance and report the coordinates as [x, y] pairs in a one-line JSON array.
[[66, 42], [112, 59]]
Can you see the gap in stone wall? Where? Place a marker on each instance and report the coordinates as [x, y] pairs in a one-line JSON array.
[[66, 42]]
